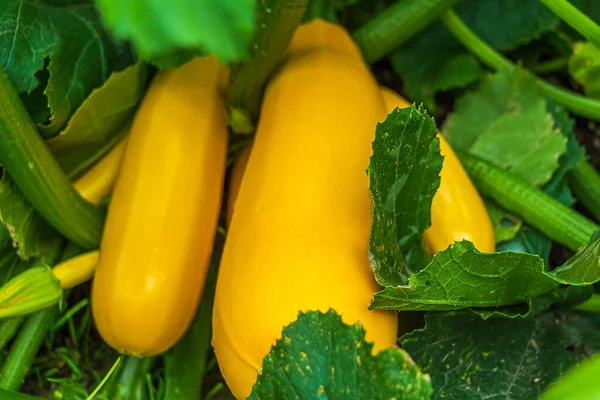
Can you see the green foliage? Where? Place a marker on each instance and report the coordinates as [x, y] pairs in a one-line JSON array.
[[170, 35], [404, 176], [434, 61], [63, 44], [584, 67], [471, 358], [461, 277], [506, 122], [319, 356]]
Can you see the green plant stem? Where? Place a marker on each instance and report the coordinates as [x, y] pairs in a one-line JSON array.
[[27, 159], [575, 19], [320, 9], [584, 180], [555, 220], [131, 383], [276, 23], [8, 330], [398, 23], [590, 305], [186, 364], [25, 348], [550, 66], [576, 103]]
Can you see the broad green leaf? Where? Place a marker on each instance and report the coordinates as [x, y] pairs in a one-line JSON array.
[[580, 382], [461, 277], [102, 115], [471, 358], [507, 123], [320, 357], [584, 67], [505, 224], [434, 61], [70, 39], [10, 263], [29, 231], [171, 34], [529, 240], [404, 175]]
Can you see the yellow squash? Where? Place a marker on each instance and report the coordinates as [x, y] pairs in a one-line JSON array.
[[100, 179], [299, 235], [457, 210], [235, 180], [163, 215]]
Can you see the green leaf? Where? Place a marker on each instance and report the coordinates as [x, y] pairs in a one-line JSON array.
[[583, 268], [505, 224], [404, 175], [529, 240], [80, 56], [434, 61], [557, 187], [172, 34], [102, 116], [506, 122], [28, 230], [471, 358], [584, 67], [461, 277], [320, 357], [578, 383]]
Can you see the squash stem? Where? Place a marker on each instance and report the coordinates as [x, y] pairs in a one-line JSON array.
[[555, 220], [186, 364], [131, 383], [8, 329], [584, 180], [398, 23], [27, 159], [577, 104], [276, 23], [575, 19]]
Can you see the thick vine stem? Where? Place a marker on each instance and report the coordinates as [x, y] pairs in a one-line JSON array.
[[555, 220], [576, 103], [27, 159], [398, 23], [276, 23], [584, 180], [575, 19]]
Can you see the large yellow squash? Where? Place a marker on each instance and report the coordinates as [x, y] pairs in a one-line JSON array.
[[299, 234], [457, 210], [162, 219]]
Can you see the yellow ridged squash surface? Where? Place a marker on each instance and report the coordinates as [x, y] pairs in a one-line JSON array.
[[162, 219], [457, 210], [299, 235]]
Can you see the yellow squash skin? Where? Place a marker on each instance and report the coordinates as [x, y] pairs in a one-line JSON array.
[[299, 235], [457, 210], [76, 270], [100, 179], [162, 219], [235, 180]]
